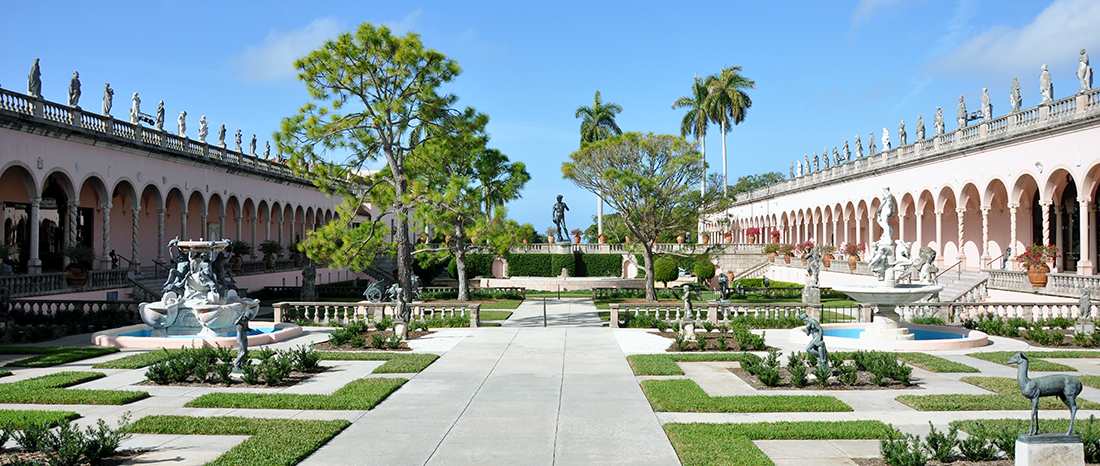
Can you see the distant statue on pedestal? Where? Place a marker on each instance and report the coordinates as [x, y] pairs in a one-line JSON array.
[[160, 116], [135, 109], [961, 117], [267, 150], [937, 122], [927, 266], [242, 342], [1084, 73], [723, 287], [809, 168], [920, 127], [1014, 96], [1046, 87], [792, 170], [108, 97], [847, 153], [885, 139], [859, 147], [559, 218], [1085, 308], [888, 208], [237, 141], [74, 90], [34, 81], [203, 129], [182, 124], [221, 137], [687, 322], [252, 146], [901, 134], [987, 107], [800, 169], [871, 145], [817, 164]]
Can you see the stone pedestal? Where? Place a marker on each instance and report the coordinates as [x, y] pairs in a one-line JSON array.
[[1084, 326], [811, 295], [884, 326], [1049, 450]]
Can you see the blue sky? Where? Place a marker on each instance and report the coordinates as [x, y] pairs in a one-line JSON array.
[[825, 71]]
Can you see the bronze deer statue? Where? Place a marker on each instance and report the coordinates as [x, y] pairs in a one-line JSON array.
[[1063, 386]]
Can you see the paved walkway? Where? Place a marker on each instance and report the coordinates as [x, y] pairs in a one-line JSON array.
[[520, 394]]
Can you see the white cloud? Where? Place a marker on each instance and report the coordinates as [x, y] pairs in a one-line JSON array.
[[866, 9], [405, 25], [274, 60], [1053, 37]]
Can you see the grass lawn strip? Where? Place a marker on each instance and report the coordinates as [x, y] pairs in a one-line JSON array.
[[56, 355], [21, 417], [49, 389], [273, 442], [362, 394], [665, 364], [685, 396], [495, 315], [1036, 360], [934, 363], [1019, 425], [397, 363], [705, 444], [1007, 398], [138, 360]]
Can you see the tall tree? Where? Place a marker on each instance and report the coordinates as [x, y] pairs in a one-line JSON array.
[[374, 97], [648, 179], [728, 103], [695, 123], [598, 124]]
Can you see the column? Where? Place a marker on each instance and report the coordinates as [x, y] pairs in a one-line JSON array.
[[104, 259], [1046, 221], [920, 230], [961, 211], [986, 256], [939, 238], [160, 233], [847, 239], [267, 228], [221, 227], [202, 224], [72, 220], [1084, 264], [34, 264], [238, 218], [1058, 267], [183, 226], [901, 227], [135, 263], [252, 225], [1012, 232], [281, 230]]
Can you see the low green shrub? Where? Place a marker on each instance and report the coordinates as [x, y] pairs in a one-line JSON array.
[[928, 321], [941, 446], [902, 450], [1044, 337]]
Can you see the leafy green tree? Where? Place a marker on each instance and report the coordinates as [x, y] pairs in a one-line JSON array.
[[695, 122], [647, 179], [599, 120], [704, 269], [665, 271], [728, 103], [375, 96], [750, 182]]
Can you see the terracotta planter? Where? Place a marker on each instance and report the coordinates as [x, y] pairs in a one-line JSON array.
[[680, 239], [603, 240], [771, 257], [729, 275], [524, 240], [236, 264], [787, 259], [752, 240], [76, 276], [447, 239], [550, 239], [269, 262], [576, 240], [775, 239], [827, 260], [852, 260], [1037, 275], [706, 239]]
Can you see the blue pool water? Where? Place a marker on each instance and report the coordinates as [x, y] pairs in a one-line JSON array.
[[149, 333], [919, 334]]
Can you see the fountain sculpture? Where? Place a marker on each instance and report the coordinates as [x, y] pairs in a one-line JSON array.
[[200, 297]]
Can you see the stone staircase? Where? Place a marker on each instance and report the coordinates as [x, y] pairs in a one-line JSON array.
[[956, 283]]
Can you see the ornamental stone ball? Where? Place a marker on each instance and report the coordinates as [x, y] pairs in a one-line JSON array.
[[34, 81], [1014, 96], [1084, 73], [1046, 87], [74, 90], [108, 97]]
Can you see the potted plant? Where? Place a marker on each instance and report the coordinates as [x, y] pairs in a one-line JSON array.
[[787, 250], [752, 233], [81, 258], [705, 236], [771, 250], [680, 239], [853, 250], [576, 232], [1034, 259], [239, 249], [827, 256], [296, 255], [8, 252], [775, 236], [603, 239], [550, 234], [802, 248], [270, 248]]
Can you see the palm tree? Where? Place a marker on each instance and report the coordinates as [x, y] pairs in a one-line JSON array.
[[728, 102], [599, 124], [696, 120]]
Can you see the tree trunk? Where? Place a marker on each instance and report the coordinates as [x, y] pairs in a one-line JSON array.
[[650, 286], [725, 182], [404, 258], [460, 265]]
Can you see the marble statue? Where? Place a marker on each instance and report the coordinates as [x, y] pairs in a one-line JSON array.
[[204, 129], [559, 218], [800, 169], [221, 137], [34, 81], [817, 340], [74, 90], [836, 157], [961, 117], [181, 123], [847, 153], [859, 147], [920, 127], [1014, 96], [108, 96], [252, 146], [871, 145], [135, 109], [160, 116], [881, 253], [902, 261], [1085, 307], [792, 170], [817, 162], [723, 287], [927, 269], [1084, 73], [888, 208], [937, 122], [901, 134], [811, 294], [987, 107], [885, 139], [1046, 87], [687, 322], [267, 150], [237, 141], [1065, 387], [809, 168], [242, 342]]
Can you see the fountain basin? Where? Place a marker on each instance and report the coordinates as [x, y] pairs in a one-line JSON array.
[[926, 338], [888, 296], [268, 332]]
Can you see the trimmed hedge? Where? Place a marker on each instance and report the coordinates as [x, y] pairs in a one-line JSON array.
[[578, 264], [600, 265], [476, 265], [530, 265]]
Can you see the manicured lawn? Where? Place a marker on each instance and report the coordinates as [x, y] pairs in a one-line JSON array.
[[934, 363], [685, 396], [1036, 360], [49, 389], [1007, 397], [20, 417], [705, 444], [665, 364], [138, 360], [273, 442], [1022, 424], [362, 394], [497, 315], [398, 363], [48, 356], [500, 304]]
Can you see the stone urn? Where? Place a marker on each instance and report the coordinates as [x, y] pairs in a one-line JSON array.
[[729, 276], [269, 262], [550, 239], [680, 239], [827, 259], [771, 256], [852, 260], [775, 239], [77, 276], [1037, 275], [236, 263], [752, 239]]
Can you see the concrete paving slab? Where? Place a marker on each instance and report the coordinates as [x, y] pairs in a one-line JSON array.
[[180, 450]]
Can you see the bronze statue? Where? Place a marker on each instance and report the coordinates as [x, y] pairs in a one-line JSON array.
[[817, 340], [559, 219], [1063, 386]]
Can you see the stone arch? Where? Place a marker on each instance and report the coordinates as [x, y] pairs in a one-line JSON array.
[[196, 210], [17, 187]]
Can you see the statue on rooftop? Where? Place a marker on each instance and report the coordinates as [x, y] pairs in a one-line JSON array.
[[847, 153], [885, 139], [1014, 97], [74, 90], [221, 137], [1046, 87], [836, 157], [252, 146], [1084, 73], [559, 219], [237, 141], [182, 124], [920, 127], [937, 121], [34, 81], [108, 96], [135, 109], [871, 145], [792, 170], [901, 134], [987, 107], [961, 117], [800, 169], [817, 162], [160, 116], [204, 129], [808, 166], [267, 150], [859, 147]]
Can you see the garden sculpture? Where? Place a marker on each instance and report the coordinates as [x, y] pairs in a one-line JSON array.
[[1014, 96], [1046, 87], [723, 287], [689, 313], [927, 266], [559, 218], [1085, 310], [1063, 386], [817, 340], [242, 342], [740, 289], [159, 122], [34, 81], [108, 98], [1084, 73], [74, 90]]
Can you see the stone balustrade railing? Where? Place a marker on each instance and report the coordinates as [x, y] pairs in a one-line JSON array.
[[1058, 284], [54, 283], [74, 312], [625, 248], [334, 313], [1062, 112], [73, 118], [1030, 312], [724, 313], [974, 294]]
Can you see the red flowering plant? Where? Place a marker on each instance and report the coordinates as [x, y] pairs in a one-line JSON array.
[[801, 248], [1036, 255], [752, 231], [774, 233], [827, 248], [786, 249], [854, 249], [576, 232]]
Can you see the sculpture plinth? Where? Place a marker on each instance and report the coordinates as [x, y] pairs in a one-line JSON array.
[[1050, 450]]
